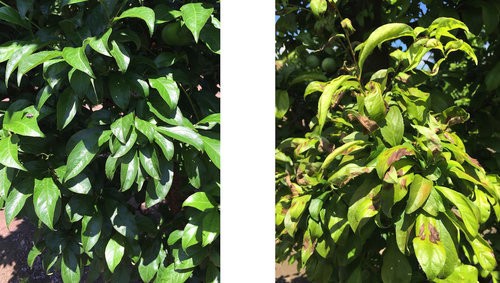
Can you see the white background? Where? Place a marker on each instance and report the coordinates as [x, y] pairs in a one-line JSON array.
[[247, 140]]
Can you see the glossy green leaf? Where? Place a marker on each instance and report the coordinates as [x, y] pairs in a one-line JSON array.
[[7, 49], [6, 176], [101, 44], [66, 108], [166, 146], [429, 249], [16, 199], [200, 201], [77, 59], [149, 161], [170, 274], [144, 13], [195, 15], [16, 58], [447, 23], [210, 227], [47, 201], [80, 184], [70, 267], [121, 55], [128, 170], [10, 15], [147, 128], [114, 252], [82, 151], [328, 97], [122, 219], [91, 230], [212, 118], [183, 134], [168, 90], [151, 260], [395, 266], [157, 190], [212, 148], [318, 7], [391, 155], [420, 190], [9, 153], [22, 121], [119, 90], [365, 207], [381, 35], [71, 2], [484, 253], [125, 148], [374, 103], [27, 63], [189, 237], [121, 128], [394, 129], [462, 273], [346, 173], [465, 207], [32, 255], [282, 103], [341, 150]]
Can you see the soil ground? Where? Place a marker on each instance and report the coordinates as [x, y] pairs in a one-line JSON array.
[[286, 273], [15, 244]]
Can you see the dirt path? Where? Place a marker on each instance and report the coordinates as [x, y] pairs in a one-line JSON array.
[[286, 273]]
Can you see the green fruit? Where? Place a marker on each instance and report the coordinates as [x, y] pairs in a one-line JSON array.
[[176, 35], [328, 65], [312, 61]]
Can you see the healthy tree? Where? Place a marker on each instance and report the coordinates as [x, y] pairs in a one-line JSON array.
[[109, 138], [381, 187]]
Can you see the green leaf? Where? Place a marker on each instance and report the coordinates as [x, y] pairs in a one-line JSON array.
[[168, 90], [374, 102], [122, 127], [121, 55], [189, 237], [66, 108], [282, 103], [70, 267], [146, 128], [82, 151], [210, 227], [110, 167], [212, 118], [298, 206], [318, 7], [183, 134], [484, 253], [462, 273], [18, 195], [124, 149], [8, 153], [27, 63], [429, 249], [32, 255], [151, 260], [200, 201], [149, 161], [365, 207], [101, 44], [171, 275], [7, 50], [460, 45], [144, 13], [447, 24], [341, 150], [166, 146], [128, 170], [77, 59], [391, 155], [80, 184], [466, 208], [195, 15], [22, 121], [122, 219], [6, 176], [70, 2], [348, 172], [212, 148], [114, 252], [395, 266], [394, 129], [16, 57], [47, 201], [328, 97], [420, 190], [91, 230], [381, 35], [119, 90], [10, 15]]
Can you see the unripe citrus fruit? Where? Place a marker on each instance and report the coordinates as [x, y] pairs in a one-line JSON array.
[[328, 65], [177, 35], [312, 61]]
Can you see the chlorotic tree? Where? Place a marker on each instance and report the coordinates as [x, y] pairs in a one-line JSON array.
[[109, 138], [374, 176]]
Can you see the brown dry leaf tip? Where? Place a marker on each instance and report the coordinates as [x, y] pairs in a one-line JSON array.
[[421, 233], [368, 124], [398, 155], [456, 212], [402, 182], [474, 161], [434, 236]]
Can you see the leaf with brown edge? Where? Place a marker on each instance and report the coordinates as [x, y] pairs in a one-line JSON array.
[[391, 155], [429, 249], [420, 190]]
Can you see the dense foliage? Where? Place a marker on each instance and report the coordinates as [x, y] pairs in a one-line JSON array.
[[109, 138], [375, 175]]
